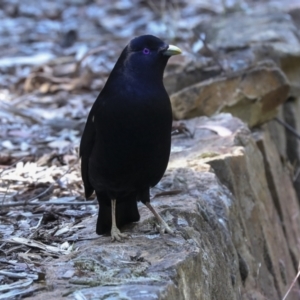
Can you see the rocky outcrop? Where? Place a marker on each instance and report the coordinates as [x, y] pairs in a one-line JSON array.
[[253, 96], [237, 230], [251, 70], [260, 70]]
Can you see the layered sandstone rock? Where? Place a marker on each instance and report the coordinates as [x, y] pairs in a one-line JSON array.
[[237, 228]]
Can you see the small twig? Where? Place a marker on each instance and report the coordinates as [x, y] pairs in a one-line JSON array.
[[48, 203], [89, 53], [209, 52], [52, 79], [288, 127], [5, 194], [296, 174], [82, 239], [167, 193], [294, 281], [44, 192], [156, 9], [24, 113]]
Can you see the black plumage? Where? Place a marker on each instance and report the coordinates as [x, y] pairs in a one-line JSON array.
[[126, 142]]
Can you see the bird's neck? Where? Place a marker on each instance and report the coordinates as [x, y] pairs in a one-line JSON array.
[[135, 79]]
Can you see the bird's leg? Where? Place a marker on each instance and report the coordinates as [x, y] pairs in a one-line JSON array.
[[116, 235], [163, 226]]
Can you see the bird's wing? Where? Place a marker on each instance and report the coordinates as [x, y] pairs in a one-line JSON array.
[[85, 150]]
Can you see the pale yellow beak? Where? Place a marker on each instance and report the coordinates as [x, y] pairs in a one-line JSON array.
[[172, 50]]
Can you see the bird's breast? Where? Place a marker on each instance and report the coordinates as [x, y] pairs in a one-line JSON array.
[[133, 137]]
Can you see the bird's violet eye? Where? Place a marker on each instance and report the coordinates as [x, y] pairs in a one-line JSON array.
[[146, 51]]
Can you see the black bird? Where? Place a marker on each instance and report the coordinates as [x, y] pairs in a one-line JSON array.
[[125, 146]]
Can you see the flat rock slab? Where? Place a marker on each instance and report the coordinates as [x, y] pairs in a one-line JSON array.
[[253, 96]]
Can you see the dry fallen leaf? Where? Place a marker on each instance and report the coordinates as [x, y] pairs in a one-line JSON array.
[[220, 130], [35, 244]]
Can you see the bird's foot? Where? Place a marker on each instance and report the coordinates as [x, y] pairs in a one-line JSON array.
[[163, 227], [116, 234]]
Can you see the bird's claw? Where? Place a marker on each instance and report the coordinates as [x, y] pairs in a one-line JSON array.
[[116, 235], [163, 227]]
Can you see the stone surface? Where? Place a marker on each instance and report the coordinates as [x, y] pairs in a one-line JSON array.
[[231, 237], [280, 183], [278, 134], [259, 222], [253, 96], [286, 141], [291, 110]]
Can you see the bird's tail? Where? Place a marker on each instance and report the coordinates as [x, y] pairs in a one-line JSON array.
[[126, 212]]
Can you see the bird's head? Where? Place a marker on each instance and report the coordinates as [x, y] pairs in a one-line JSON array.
[[146, 55]]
